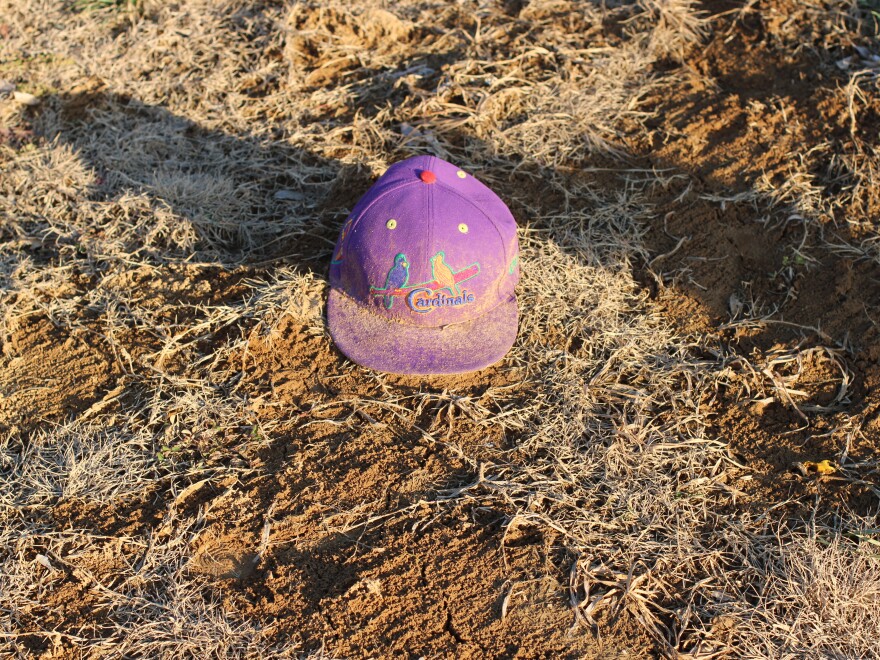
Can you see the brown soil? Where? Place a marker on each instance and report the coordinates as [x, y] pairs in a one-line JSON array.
[[367, 555], [437, 580], [49, 374], [756, 104]]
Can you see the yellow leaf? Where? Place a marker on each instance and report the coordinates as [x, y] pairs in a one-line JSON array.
[[822, 467]]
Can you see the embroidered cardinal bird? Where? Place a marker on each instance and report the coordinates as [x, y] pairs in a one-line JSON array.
[[443, 274], [397, 278]]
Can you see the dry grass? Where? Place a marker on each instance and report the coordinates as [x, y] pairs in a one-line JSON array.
[[224, 132], [154, 606], [818, 595]]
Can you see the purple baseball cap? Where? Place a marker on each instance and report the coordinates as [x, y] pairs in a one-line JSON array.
[[423, 274]]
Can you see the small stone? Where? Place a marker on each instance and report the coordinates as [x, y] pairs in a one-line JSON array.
[[25, 99]]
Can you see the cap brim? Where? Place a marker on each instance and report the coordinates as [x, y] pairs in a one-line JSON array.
[[393, 347]]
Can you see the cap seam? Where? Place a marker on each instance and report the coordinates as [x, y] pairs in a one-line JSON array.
[[376, 201], [430, 213], [488, 217]]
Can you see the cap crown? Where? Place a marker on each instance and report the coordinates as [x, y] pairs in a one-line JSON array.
[[427, 245]]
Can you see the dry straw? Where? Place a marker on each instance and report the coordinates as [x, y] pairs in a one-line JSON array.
[[210, 135]]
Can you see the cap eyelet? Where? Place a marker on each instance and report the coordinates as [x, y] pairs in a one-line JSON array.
[[460, 174], [391, 224], [463, 228]]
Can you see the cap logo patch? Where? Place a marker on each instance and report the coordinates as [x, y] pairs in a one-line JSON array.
[[420, 300], [418, 297]]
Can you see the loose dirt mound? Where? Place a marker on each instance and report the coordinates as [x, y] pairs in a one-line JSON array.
[[50, 375]]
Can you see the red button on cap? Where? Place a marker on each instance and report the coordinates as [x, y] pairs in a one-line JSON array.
[[427, 176]]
